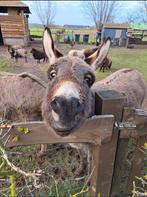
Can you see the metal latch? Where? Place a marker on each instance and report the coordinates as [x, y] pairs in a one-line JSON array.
[[123, 125]]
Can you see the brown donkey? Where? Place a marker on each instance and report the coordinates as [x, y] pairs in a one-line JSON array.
[[69, 98]]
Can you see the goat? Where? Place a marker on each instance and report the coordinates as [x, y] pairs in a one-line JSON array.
[[17, 51], [107, 62], [38, 55], [69, 97], [21, 97]]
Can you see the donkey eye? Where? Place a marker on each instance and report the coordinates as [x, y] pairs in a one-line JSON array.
[[53, 74], [89, 79]]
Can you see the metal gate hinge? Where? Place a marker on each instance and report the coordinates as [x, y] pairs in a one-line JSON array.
[[123, 125]]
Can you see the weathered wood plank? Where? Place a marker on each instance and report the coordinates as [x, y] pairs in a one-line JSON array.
[[103, 159], [120, 169], [12, 26], [13, 36], [138, 118], [96, 130], [10, 18]]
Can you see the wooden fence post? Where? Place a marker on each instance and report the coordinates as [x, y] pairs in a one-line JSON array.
[[124, 172], [103, 157], [137, 160]]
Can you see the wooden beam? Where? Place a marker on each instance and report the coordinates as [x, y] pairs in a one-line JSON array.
[[138, 118], [137, 161], [107, 102], [97, 130], [135, 117]]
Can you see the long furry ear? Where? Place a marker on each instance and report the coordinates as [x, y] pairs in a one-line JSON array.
[[99, 55], [89, 51], [48, 45], [57, 53]]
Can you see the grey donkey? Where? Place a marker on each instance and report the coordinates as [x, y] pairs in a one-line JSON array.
[[69, 97], [21, 97]]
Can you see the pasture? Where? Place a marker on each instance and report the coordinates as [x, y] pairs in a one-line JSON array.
[[37, 32], [61, 161], [121, 58]]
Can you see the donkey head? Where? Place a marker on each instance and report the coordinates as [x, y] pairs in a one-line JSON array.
[[68, 99]]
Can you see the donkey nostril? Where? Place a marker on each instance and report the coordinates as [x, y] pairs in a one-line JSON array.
[[57, 104], [54, 104], [77, 117], [78, 104]]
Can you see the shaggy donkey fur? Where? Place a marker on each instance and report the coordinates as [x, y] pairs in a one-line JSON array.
[[21, 97], [69, 97]]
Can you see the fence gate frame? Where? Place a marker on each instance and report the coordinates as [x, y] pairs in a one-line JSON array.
[[108, 133]]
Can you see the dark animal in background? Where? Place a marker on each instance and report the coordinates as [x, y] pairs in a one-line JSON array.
[[106, 64], [17, 51], [72, 43], [39, 55]]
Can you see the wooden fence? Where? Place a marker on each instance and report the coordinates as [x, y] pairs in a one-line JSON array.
[[108, 133]]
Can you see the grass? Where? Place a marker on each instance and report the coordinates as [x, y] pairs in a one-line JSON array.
[[5, 65], [126, 58], [61, 162], [58, 167]]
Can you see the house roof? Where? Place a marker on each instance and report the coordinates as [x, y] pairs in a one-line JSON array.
[[116, 25], [139, 26], [4, 5]]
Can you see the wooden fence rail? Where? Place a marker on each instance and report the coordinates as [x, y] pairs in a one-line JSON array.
[[108, 133]]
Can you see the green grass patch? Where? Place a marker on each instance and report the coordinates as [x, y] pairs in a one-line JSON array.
[[126, 58], [5, 65]]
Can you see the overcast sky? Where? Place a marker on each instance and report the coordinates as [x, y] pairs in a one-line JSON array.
[[70, 12]]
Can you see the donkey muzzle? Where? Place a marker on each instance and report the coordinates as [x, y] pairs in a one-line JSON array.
[[67, 109]]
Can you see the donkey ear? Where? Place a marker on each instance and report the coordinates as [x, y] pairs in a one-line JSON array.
[[57, 53], [88, 52], [98, 56], [48, 44]]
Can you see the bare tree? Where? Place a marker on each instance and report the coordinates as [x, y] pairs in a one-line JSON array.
[[145, 5], [45, 11], [100, 12], [138, 14]]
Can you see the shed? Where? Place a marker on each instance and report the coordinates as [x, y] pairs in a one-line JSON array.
[[117, 33], [14, 23]]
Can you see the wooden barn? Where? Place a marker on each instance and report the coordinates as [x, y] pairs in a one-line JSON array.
[[117, 32], [14, 23]]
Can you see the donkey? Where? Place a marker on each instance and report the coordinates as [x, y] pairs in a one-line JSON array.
[[69, 97]]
